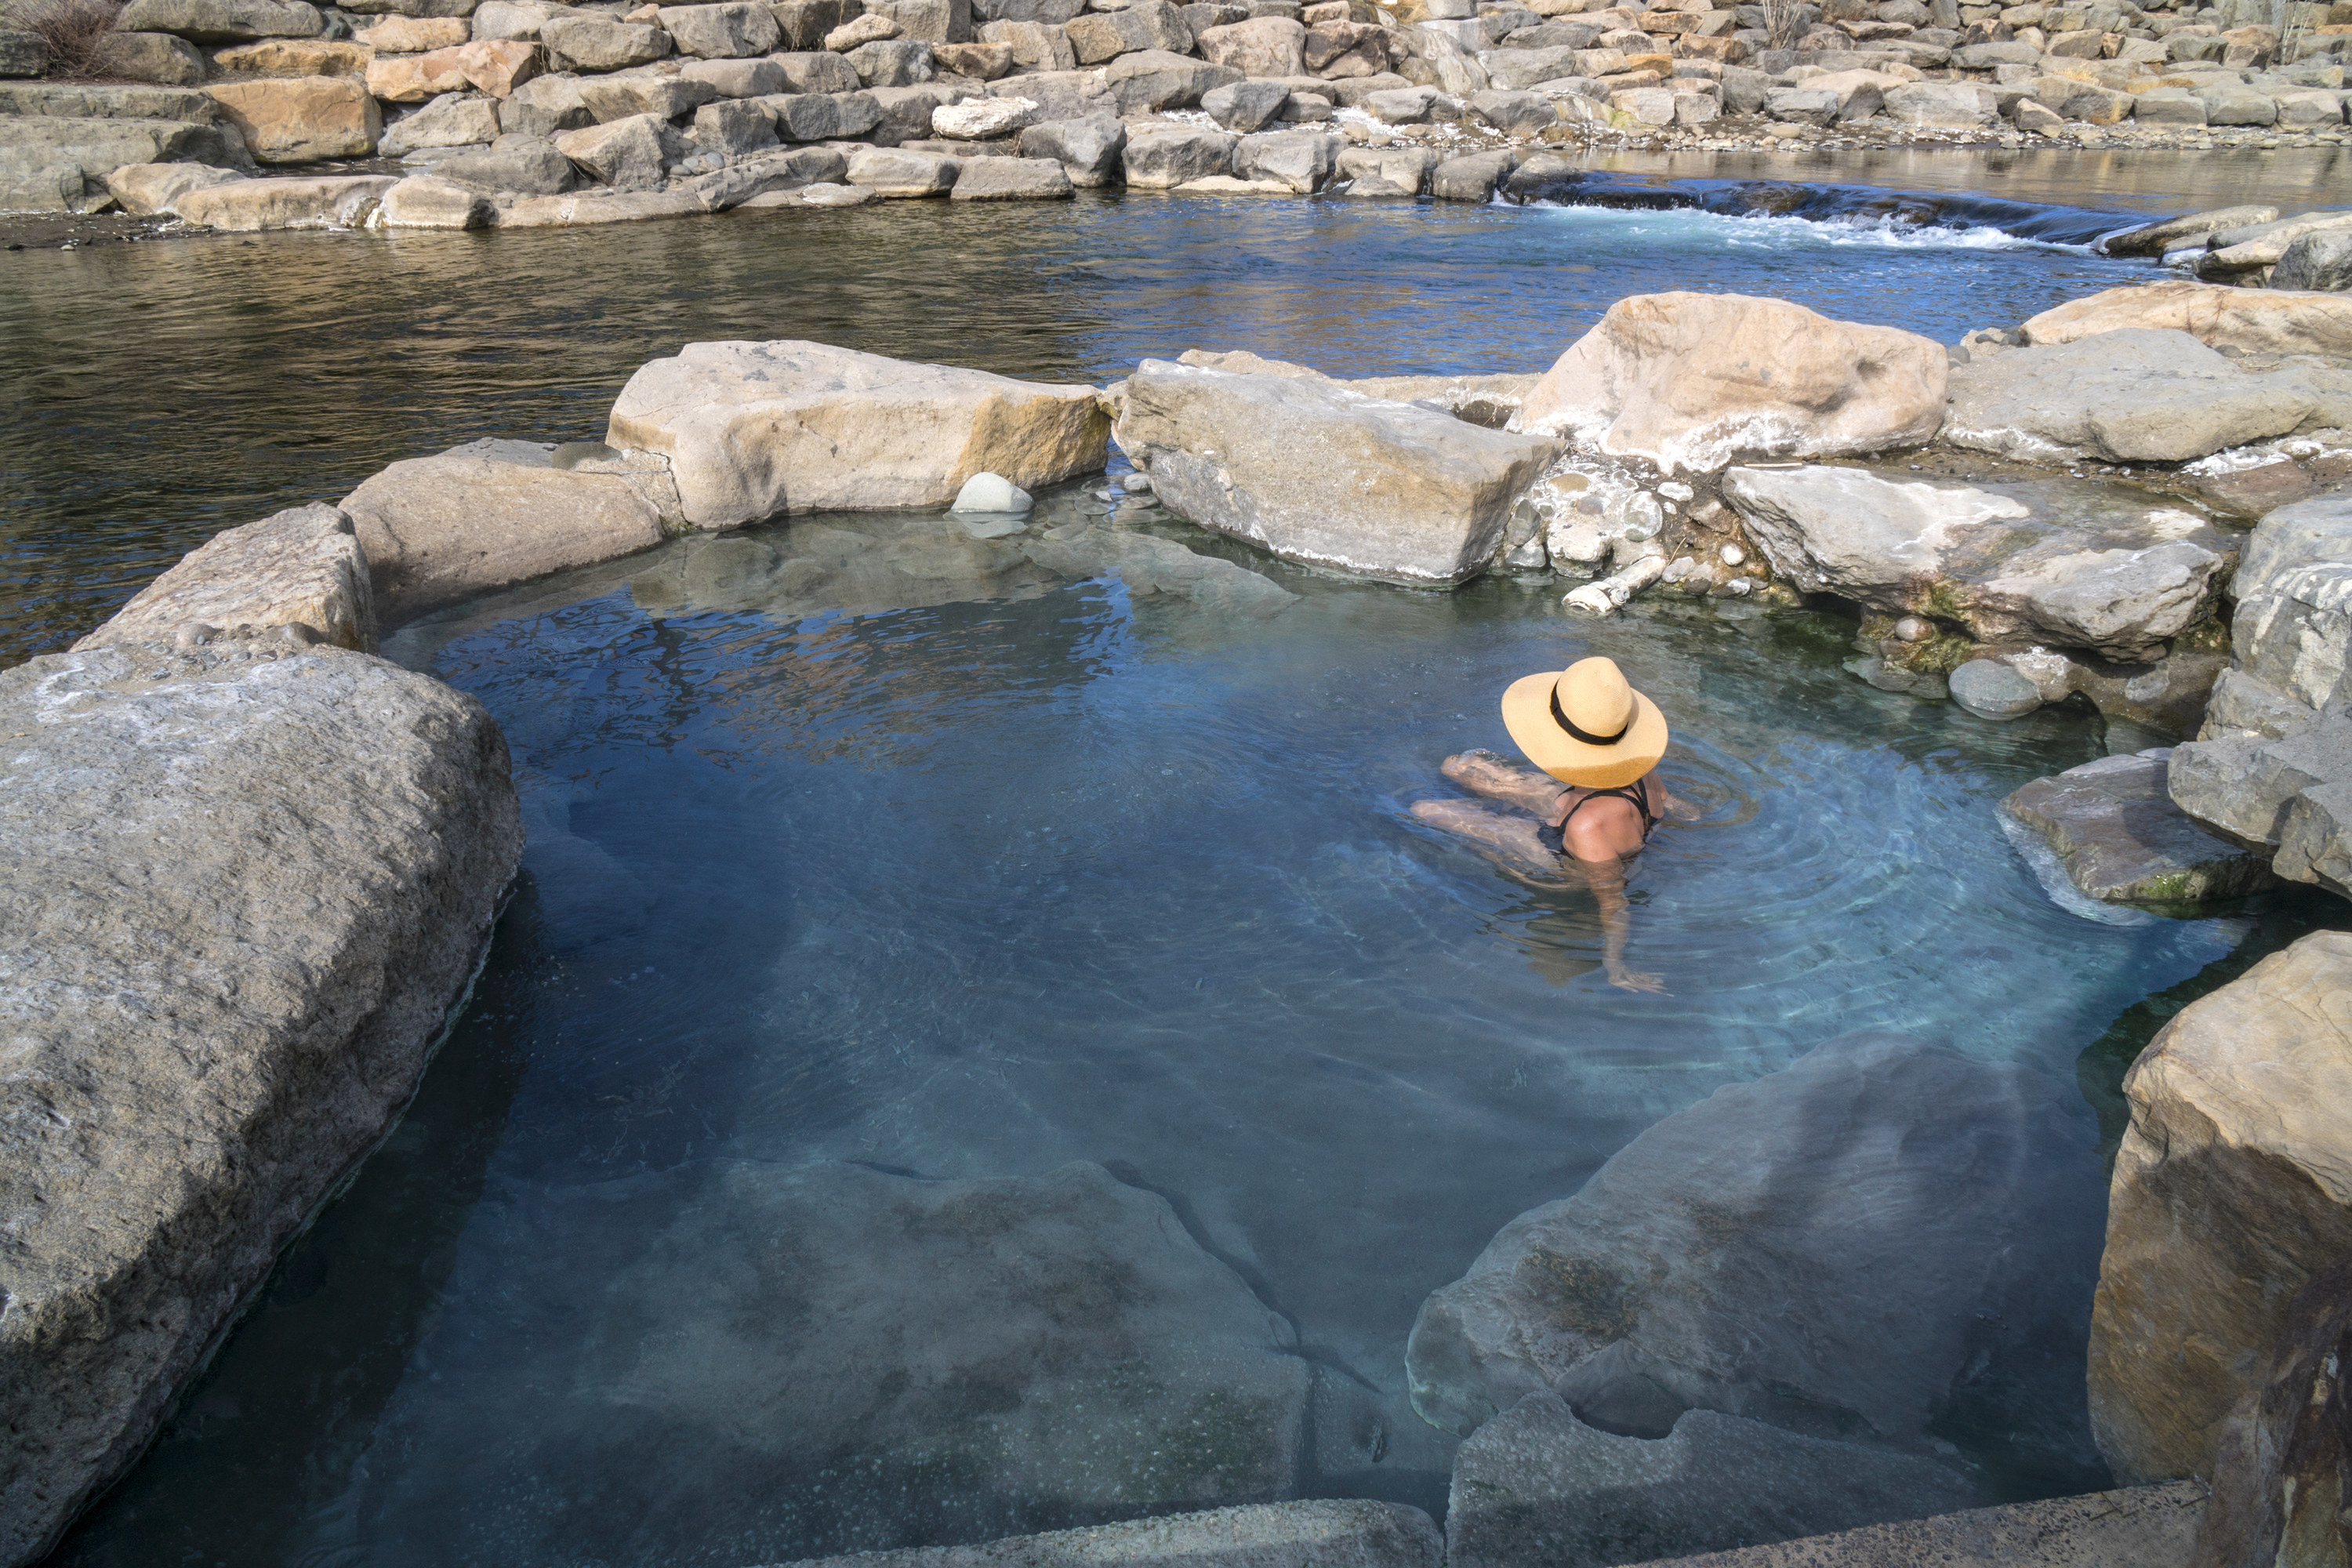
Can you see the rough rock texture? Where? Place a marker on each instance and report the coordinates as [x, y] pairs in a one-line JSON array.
[[628, 154], [1882, 1235], [302, 119], [2291, 793], [223, 21], [2283, 1466], [2130, 395], [1698, 381], [1026, 1353], [2292, 630], [2217, 315], [144, 190], [2112, 826], [1011, 180], [2027, 562], [441, 529], [1089, 149], [1317, 473], [2142, 1527], [421, 201], [1538, 1486], [2233, 1190], [248, 206], [243, 885], [50, 163], [1332, 1533], [759, 430], [300, 567]]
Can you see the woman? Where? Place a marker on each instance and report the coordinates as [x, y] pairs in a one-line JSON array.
[[1591, 730]]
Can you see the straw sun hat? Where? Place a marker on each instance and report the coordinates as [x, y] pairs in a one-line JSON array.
[[1585, 725]]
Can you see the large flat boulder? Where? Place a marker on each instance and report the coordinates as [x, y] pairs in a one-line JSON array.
[[54, 164], [248, 206], [2134, 1527], [82, 101], [2066, 563], [1482, 399], [1535, 1485], [223, 21], [873, 1361], [301, 567], [1882, 1236], [2112, 826], [303, 120], [2233, 1191], [1317, 473], [1699, 381], [245, 881], [1323, 1533], [2256, 320], [442, 529], [2132, 395], [758, 430]]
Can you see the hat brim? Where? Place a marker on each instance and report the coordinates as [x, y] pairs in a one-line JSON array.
[[1526, 713]]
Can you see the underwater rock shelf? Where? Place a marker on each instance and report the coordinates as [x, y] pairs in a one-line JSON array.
[[254, 865]]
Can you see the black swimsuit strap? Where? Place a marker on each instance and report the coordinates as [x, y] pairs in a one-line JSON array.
[[1635, 792]]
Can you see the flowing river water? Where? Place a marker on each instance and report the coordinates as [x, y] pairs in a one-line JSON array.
[[972, 873]]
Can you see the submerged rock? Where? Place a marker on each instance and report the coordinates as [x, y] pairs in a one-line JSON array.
[[1538, 1486], [248, 206], [2066, 564], [864, 1360], [2233, 1191], [1323, 1533], [245, 884], [2112, 826], [444, 529], [301, 567], [2132, 395], [1319, 474], [1880, 1237], [1147, 564], [1698, 381], [757, 430]]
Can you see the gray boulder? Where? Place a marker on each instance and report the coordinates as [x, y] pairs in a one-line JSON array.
[[597, 43], [631, 154], [1243, 106], [1513, 113], [1154, 25], [1161, 157], [444, 529], [1302, 160], [2059, 561], [162, 57], [2291, 794], [1319, 474], [302, 567], [1024, 1354], [1386, 170], [2137, 394], [1472, 178], [2322, 260], [892, 63], [1011, 180], [1535, 1485], [49, 163], [726, 31], [901, 113], [823, 116], [815, 71], [61, 100], [1882, 1234], [528, 166], [452, 120], [626, 94], [1155, 79], [545, 106], [749, 78], [2293, 628], [223, 21], [212, 1018], [1088, 150], [2114, 828], [902, 174], [733, 127], [1993, 688], [1062, 94]]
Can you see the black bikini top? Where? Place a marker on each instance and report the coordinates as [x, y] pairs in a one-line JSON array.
[[1635, 792]]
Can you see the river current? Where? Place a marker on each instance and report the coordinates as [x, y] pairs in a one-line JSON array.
[[974, 874]]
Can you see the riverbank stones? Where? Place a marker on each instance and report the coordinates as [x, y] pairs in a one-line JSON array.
[[2114, 828]]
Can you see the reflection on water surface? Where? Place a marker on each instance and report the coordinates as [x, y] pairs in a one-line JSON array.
[[863, 840]]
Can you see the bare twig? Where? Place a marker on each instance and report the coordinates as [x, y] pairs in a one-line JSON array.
[[1784, 22], [75, 31]]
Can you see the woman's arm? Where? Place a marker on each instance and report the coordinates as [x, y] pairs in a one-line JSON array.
[[1607, 877]]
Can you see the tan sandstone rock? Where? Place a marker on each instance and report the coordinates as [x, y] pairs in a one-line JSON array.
[[1698, 381], [301, 567], [144, 190], [302, 119], [2258, 321], [2233, 1188], [442, 529], [295, 56], [759, 430], [248, 206], [413, 79]]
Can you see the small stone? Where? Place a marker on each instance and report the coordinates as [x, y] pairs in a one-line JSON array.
[[1991, 688], [825, 194], [1911, 628], [1732, 555]]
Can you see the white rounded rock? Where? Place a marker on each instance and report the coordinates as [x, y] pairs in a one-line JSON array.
[[1911, 628], [1733, 556], [827, 194], [992, 492], [981, 118]]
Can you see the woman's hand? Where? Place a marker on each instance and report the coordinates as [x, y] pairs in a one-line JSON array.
[[1625, 979]]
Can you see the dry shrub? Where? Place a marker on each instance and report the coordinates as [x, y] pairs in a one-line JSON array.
[[1785, 22], [75, 31]]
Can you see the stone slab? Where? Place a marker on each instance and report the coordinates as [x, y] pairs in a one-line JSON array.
[[2137, 1527], [2113, 826], [1320, 1534], [301, 567]]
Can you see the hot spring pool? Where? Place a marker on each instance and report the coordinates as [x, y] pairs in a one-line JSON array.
[[954, 874]]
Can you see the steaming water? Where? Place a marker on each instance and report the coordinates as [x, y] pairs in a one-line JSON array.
[[995, 876]]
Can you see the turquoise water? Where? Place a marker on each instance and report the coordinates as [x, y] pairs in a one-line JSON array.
[[964, 873]]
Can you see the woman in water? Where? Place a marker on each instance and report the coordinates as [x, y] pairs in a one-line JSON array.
[[1587, 729]]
